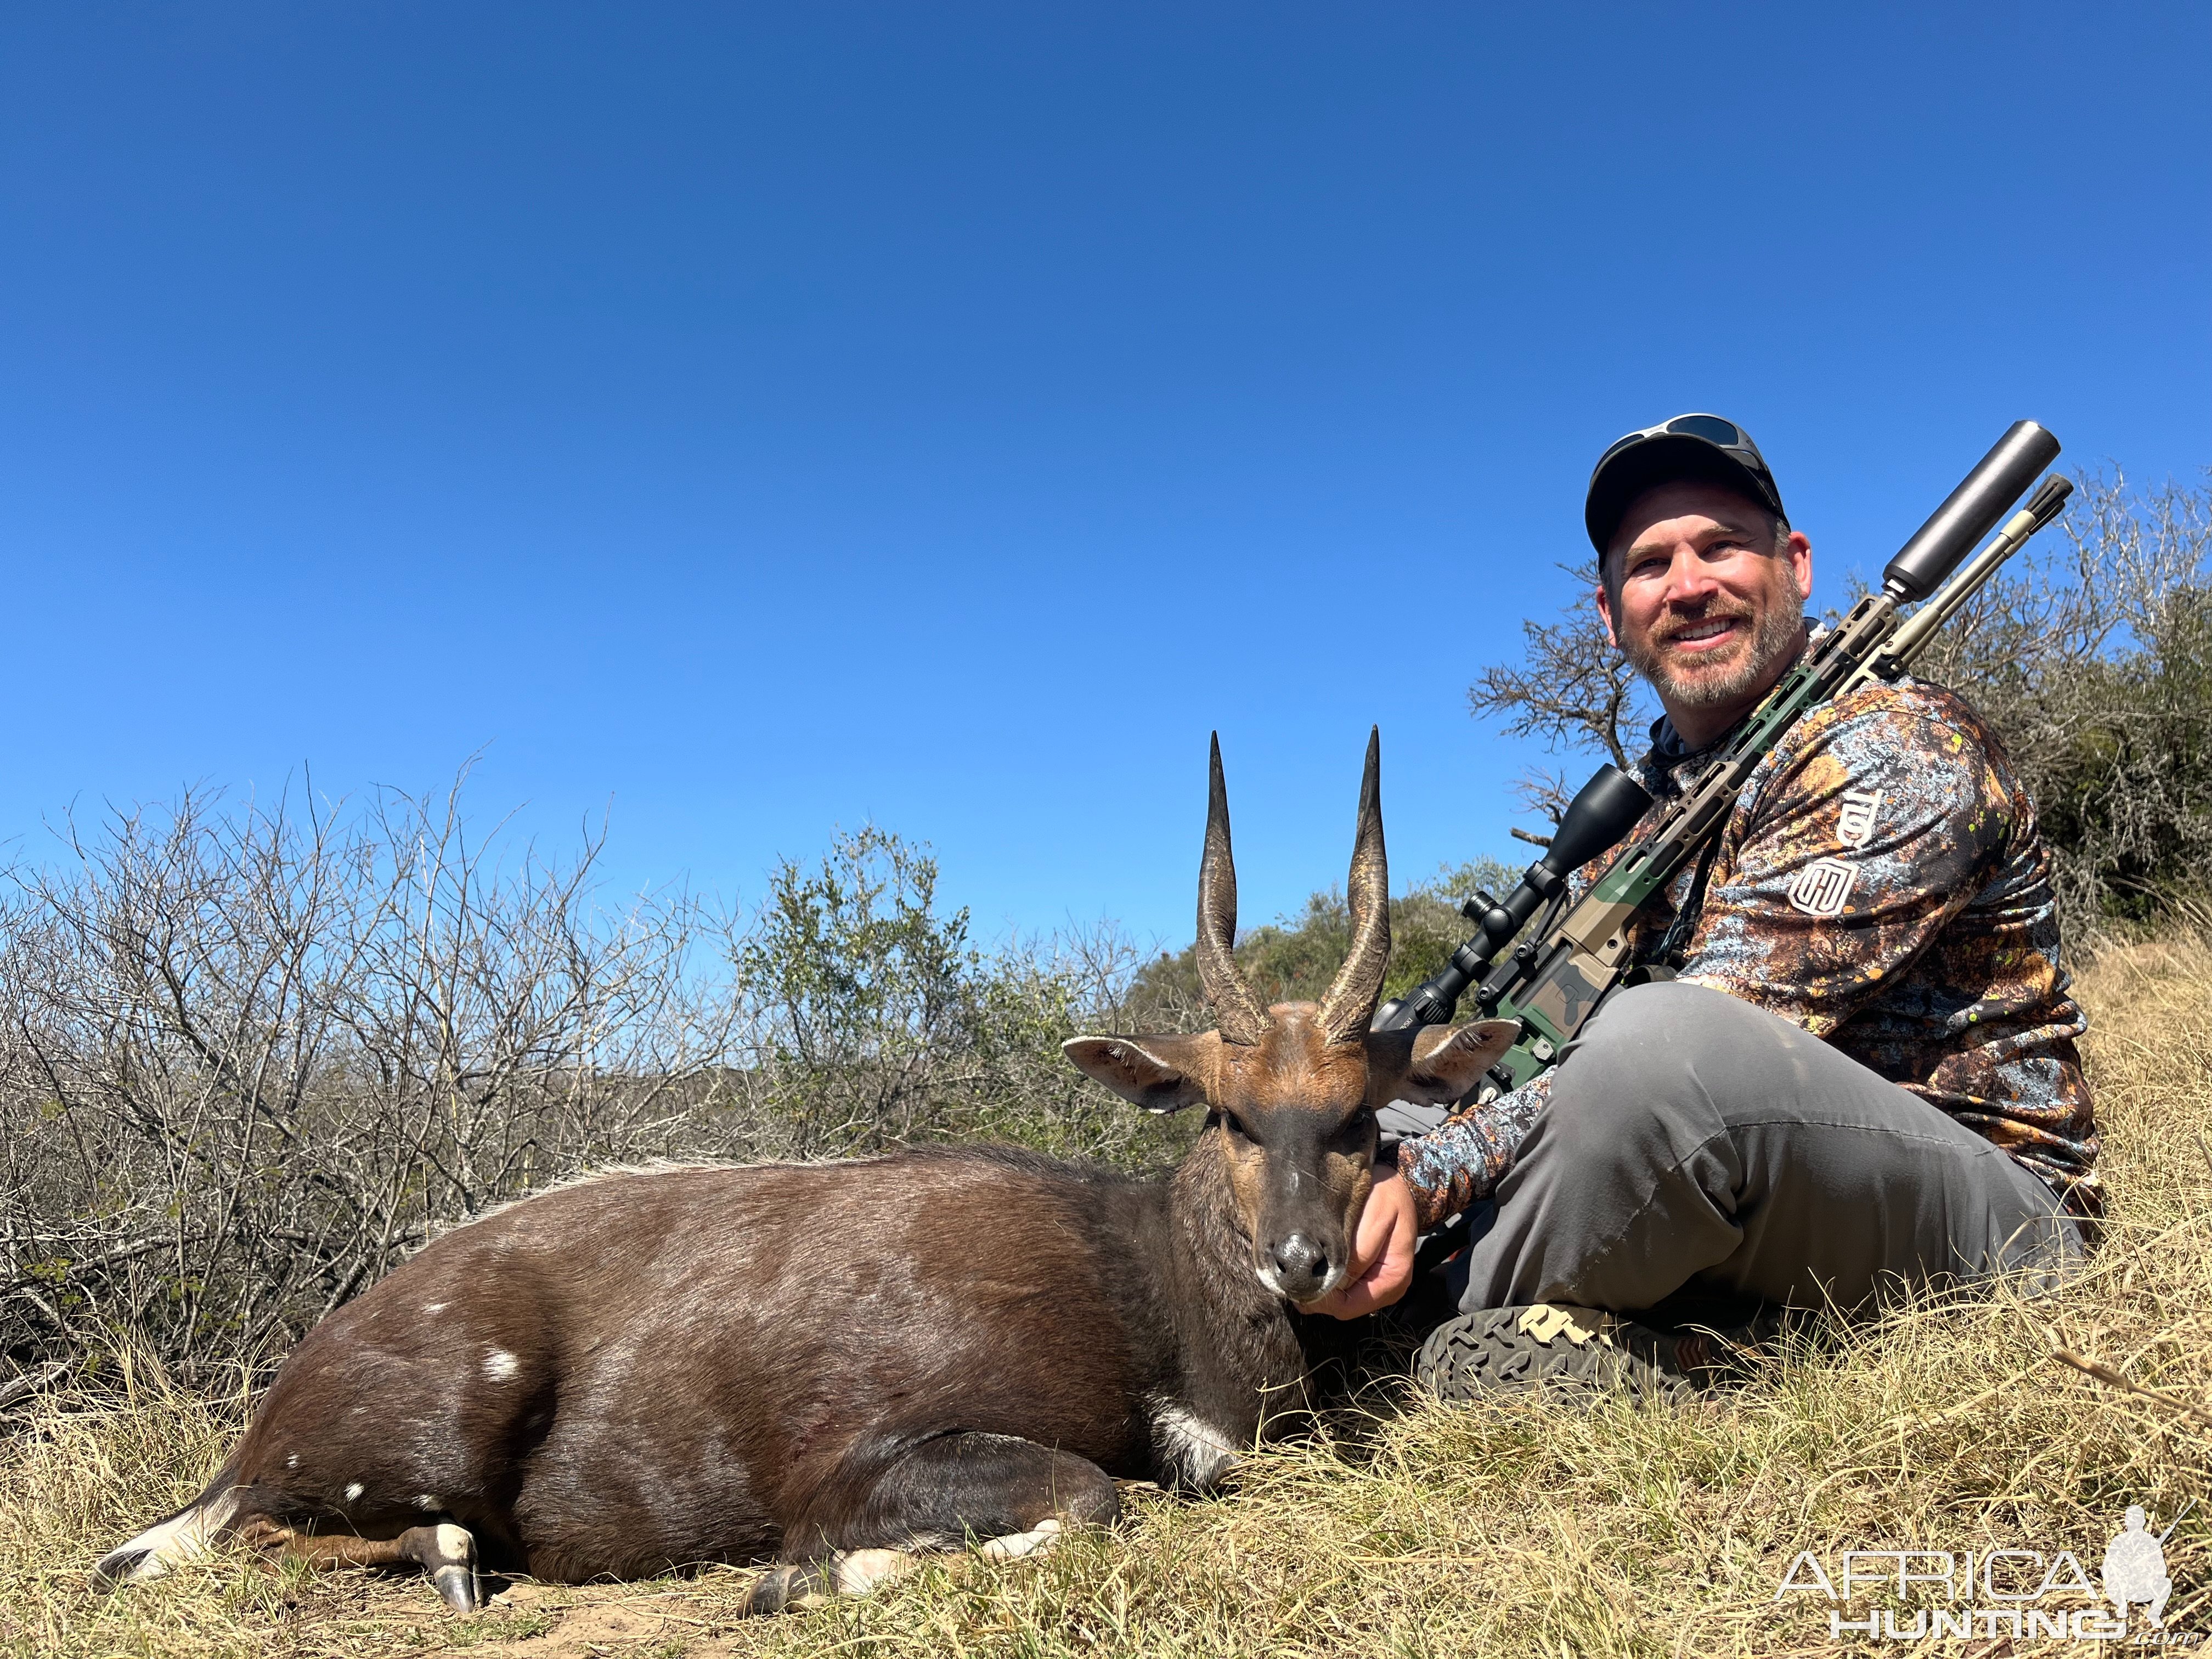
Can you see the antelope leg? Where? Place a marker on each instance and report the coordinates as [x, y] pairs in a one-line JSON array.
[[1013, 1494], [445, 1551]]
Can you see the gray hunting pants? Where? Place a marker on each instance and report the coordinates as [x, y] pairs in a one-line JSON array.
[[1698, 1151]]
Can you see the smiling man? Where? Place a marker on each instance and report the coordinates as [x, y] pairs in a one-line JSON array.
[[1854, 1067]]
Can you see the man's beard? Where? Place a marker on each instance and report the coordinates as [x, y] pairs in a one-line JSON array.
[[1774, 638]]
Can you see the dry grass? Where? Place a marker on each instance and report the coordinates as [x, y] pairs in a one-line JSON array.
[[1524, 1530]]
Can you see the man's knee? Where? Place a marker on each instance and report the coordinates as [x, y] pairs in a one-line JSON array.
[[1638, 1089]]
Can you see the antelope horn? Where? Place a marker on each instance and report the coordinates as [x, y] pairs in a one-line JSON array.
[[1350, 1003], [1237, 1013]]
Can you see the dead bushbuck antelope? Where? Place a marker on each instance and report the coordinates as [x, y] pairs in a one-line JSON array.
[[835, 1365]]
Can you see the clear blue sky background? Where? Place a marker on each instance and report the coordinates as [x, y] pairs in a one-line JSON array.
[[757, 420]]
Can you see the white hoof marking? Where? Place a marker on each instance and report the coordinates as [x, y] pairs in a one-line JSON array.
[[855, 1573], [1011, 1546]]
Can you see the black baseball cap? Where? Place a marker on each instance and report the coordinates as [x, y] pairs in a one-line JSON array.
[[1688, 447]]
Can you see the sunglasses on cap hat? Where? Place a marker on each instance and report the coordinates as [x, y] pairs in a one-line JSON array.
[[1711, 428], [1689, 445]]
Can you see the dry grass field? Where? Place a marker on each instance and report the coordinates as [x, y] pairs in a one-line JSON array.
[[1529, 1528]]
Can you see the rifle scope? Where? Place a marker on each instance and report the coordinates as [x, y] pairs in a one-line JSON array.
[[1970, 512], [1602, 811]]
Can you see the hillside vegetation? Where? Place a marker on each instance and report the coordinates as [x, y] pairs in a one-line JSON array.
[[1520, 1528]]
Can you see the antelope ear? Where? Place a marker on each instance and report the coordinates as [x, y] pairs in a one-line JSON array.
[[1159, 1073], [1448, 1061]]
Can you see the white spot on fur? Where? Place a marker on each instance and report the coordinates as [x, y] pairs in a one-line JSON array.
[[353, 1492], [293, 1461], [187, 1537], [855, 1573], [500, 1365], [1195, 1451], [1012, 1546], [431, 1501], [434, 1307]]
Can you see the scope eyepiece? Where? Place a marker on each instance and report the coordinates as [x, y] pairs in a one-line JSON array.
[[1475, 909]]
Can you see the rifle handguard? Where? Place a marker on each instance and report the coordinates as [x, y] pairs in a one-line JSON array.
[[1602, 812]]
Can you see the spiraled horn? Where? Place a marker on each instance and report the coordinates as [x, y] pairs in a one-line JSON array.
[[1350, 1003], [1236, 1012]]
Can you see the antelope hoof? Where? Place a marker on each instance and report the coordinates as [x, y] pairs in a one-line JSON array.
[[457, 1588], [780, 1589]]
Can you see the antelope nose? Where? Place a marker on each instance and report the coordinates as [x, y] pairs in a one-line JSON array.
[[1300, 1266]]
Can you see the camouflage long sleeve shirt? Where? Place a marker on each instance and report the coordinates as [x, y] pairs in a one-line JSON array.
[[1882, 882]]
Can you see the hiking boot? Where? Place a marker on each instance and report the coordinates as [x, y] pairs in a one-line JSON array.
[[1551, 1346]]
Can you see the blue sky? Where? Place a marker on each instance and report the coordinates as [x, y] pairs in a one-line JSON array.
[[749, 421]]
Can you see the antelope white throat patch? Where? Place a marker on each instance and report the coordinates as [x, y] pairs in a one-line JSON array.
[[1196, 1451]]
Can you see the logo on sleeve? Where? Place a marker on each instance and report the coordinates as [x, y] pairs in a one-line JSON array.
[[1855, 821], [1822, 886]]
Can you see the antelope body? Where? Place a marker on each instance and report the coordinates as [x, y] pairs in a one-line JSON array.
[[835, 1366]]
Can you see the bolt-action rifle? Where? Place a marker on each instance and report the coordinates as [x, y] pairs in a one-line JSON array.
[[1552, 981]]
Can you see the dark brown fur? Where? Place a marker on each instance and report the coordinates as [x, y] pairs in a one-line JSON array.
[[710, 1364]]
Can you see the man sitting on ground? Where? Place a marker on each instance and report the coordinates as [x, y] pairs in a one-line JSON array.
[[1864, 1075]]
